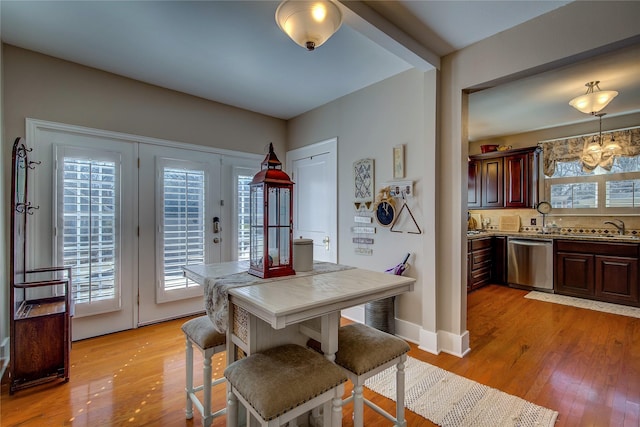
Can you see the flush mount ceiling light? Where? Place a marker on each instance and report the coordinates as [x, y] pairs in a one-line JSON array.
[[593, 101], [309, 23]]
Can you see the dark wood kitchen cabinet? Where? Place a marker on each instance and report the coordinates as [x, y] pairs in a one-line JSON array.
[[598, 270], [504, 179], [574, 274], [499, 267], [492, 183], [479, 262], [486, 261], [474, 200], [519, 180], [617, 279]]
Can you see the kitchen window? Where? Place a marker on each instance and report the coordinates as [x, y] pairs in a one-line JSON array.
[[572, 190], [593, 174]]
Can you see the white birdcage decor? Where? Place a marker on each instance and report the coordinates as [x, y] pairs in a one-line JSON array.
[[271, 220]]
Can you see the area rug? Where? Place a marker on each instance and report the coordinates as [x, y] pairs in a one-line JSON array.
[[447, 399], [606, 307]]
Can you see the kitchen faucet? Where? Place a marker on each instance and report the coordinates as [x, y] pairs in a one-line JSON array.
[[619, 224]]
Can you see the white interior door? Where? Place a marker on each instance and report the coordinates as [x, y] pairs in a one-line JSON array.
[[180, 223], [315, 203]]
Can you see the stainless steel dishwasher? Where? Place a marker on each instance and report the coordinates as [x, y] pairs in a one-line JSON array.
[[530, 263]]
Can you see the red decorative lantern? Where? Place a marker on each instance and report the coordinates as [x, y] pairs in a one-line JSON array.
[[271, 220]]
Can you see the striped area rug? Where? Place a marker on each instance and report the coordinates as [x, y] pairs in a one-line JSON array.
[[605, 307], [451, 400]]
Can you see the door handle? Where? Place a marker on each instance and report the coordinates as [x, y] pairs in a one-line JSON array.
[[216, 224], [326, 242]]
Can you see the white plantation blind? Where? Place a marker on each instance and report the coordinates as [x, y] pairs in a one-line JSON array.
[[574, 195], [623, 194], [90, 228], [183, 224], [243, 216]]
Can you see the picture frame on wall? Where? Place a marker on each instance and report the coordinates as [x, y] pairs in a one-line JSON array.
[[363, 177], [398, 161]]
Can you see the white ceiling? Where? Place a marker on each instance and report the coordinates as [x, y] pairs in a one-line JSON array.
[[233, 52]]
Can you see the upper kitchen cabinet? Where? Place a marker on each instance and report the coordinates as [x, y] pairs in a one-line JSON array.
[[504, 179], [474, 200]]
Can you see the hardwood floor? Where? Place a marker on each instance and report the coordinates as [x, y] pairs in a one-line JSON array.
[[584, 364]]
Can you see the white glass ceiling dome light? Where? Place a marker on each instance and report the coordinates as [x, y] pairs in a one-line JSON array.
[[592, 101], [309, 23]]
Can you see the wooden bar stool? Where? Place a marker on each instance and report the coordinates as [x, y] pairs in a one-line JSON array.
[[201, 333], [364, 352], [282, 383]]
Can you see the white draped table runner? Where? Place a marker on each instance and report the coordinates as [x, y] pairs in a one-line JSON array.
[[218, 279]]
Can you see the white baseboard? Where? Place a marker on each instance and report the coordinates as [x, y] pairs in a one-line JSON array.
[[355, 314], [457, 345], [428, 341]]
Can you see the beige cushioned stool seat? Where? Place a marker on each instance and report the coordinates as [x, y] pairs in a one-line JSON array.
[[279, 379], [202, 332], [362, 348], [363, 352]]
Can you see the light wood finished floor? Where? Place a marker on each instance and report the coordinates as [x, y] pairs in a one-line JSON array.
[[582, 363]]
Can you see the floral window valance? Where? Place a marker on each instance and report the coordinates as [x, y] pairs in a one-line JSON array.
[[575, 148]]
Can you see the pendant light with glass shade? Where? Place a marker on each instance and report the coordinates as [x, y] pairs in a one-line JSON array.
[[309, 23], [595, 152]]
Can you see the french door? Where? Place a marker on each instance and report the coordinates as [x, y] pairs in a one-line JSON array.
[[180, 221], [128, 212], [91, 199]]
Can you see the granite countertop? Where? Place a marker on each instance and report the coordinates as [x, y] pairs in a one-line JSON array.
[[558, 235]]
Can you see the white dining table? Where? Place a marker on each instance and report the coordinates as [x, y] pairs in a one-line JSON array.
[[294, 308]]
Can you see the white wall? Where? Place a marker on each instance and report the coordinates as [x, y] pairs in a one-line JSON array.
[[51, 89], [368, 124]]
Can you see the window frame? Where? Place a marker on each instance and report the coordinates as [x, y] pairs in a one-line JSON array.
[[600, 180], [190, 289], [100, 306], [237, 172]]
